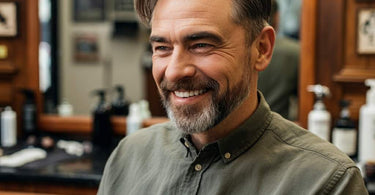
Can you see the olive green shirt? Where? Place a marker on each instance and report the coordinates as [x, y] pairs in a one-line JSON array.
[[265, 155]]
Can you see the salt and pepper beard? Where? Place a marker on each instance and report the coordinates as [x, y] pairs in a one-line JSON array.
[[197, 118]]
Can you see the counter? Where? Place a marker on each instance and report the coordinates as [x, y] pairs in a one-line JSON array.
[[58, 173]]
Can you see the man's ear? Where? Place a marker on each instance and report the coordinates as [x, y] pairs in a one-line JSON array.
[[264, 46]]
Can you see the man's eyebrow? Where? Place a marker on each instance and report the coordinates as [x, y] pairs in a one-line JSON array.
[[203, 35], [191, 37], [158, 39]]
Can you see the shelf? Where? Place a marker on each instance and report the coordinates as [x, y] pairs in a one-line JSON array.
[[83, 124], [7, 68], [349, 75]]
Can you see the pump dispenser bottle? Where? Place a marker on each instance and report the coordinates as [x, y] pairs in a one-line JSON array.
[[344, 134], [367, 125], [102, 129], [120, 106], [319, 119]]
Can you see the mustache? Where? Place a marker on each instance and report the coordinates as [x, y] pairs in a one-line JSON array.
[[189, 84]]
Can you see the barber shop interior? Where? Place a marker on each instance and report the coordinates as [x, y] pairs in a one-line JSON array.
[[129, 97]]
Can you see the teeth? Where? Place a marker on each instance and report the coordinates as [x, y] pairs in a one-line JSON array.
[[187, 94]]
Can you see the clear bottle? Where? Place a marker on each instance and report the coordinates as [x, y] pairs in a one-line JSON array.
[[367, 125], [344, 134], [8, 127], [319, 119]]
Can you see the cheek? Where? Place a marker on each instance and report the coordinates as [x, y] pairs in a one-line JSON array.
[[224, 71], [158, 69]]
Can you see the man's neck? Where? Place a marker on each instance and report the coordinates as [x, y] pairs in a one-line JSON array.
[[230, 123]]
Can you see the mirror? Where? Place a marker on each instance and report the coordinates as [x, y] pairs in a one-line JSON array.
[[93, 51], [97, 44]]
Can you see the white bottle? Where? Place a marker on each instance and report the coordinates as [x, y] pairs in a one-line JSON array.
[[319, 119], [65, 109], [145, 111], [134, 119], [8, 127], [367, 125]]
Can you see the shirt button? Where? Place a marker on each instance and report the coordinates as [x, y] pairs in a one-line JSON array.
[[198, 167], [227, 155]]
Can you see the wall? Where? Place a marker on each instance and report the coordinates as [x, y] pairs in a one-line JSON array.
[[119, 62]]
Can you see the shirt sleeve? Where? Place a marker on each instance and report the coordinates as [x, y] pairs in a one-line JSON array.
[[350, 183]]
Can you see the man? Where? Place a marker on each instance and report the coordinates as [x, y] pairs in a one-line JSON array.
[[279, 81], [222, 138]]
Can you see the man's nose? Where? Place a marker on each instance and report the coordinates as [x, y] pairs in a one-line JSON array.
[[180, 66]]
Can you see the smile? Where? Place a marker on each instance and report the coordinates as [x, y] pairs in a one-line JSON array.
[[186, 94]]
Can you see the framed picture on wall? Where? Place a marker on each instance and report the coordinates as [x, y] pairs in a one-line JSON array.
[[8, 19], [366, 31], [86, 48], [88, 10]]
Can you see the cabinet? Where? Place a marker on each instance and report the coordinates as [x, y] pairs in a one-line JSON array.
[[20, 68]]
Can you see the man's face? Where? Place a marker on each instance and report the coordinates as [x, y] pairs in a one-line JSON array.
[[201, 63]]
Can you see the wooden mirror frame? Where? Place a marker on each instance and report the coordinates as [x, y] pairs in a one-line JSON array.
[[82, 124]]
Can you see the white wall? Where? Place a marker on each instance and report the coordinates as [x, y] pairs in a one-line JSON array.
[[78, 80]]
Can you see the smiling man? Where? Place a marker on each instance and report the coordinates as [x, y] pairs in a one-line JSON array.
[[222, 138]]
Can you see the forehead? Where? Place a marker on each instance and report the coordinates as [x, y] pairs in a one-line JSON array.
[[180, 14]]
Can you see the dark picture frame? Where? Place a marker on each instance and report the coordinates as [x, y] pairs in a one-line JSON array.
[[86, 48], [366, 31], [89, 10], [8, 19]]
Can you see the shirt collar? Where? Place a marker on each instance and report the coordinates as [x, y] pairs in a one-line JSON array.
[[242, 138], [245, 136]]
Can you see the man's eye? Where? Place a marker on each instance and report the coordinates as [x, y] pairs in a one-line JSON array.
[[201, 45], [161, 48]]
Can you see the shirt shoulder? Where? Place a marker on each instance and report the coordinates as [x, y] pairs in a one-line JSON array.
[[319, 161], [295, 136]]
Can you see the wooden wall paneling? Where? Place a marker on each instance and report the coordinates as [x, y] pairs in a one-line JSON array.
[[7, 65], [19, 58], [330, 50], [6, 94], [20, 69], [32, 65], [356, 67], [356, 94], [12, 67], [308, 58]]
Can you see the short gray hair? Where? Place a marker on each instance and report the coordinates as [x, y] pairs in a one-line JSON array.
[[253, 15]]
